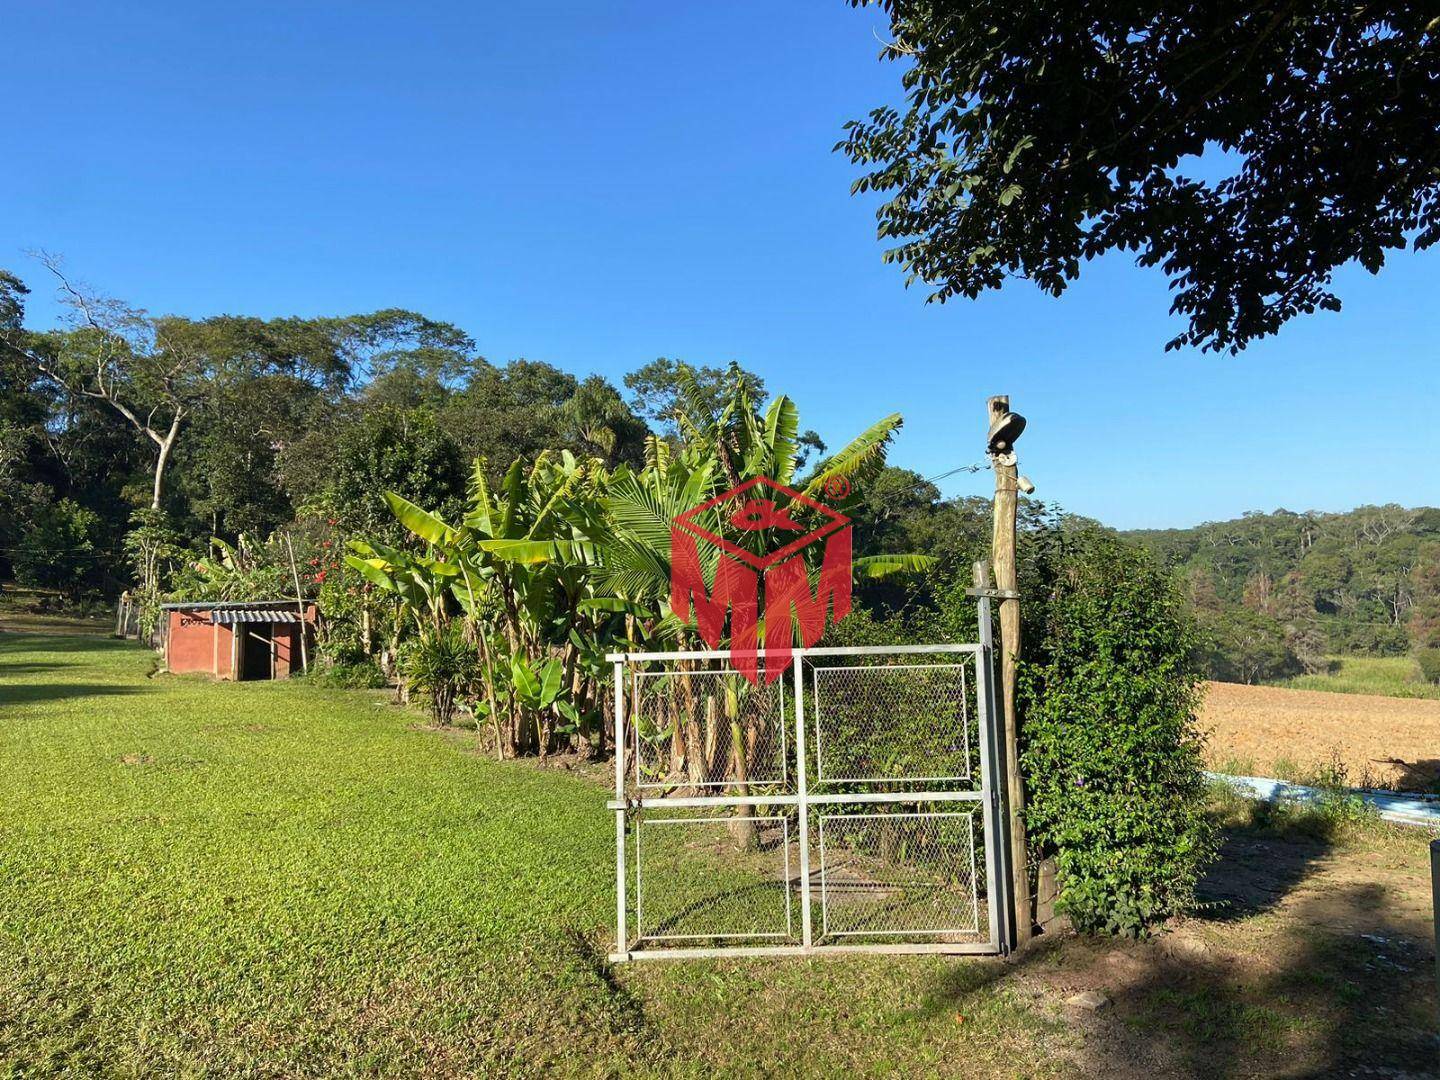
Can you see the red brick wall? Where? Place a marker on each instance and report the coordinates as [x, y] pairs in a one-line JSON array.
[[287, 645], [284, 647], [191, 645], [225, 659]]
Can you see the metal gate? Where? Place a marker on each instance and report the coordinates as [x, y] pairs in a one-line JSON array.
[[852, 805]]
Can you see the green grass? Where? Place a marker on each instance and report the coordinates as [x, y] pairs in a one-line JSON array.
[[279, 878], [43, 611], [1388, 676], [283, 879]]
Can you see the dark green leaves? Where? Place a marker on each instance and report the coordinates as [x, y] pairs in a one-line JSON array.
[[1038, 136]]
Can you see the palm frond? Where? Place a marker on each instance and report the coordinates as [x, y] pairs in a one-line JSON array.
[[481, 512], [879, 566], [860, 458], [782, 429]]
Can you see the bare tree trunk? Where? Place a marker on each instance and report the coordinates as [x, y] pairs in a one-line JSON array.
[[161, 460]]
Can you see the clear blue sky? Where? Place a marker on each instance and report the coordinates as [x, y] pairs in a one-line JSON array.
[[597, 184]]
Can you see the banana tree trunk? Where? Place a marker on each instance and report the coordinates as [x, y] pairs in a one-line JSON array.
[[742, 749], [694, 747]]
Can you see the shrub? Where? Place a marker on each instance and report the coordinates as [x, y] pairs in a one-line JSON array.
[[1245, 646], [359, 675], [1429, 664], [443, 664], [59, 548], [1111, 751]]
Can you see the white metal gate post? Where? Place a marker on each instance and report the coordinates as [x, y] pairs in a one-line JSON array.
[[802, 792], [622, 941], [996, 817]]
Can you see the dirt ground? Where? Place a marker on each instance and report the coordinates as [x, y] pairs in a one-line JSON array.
[[1380, 741], [1309, 958]]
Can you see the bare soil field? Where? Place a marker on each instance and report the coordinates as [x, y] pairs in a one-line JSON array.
[[1270, 731]]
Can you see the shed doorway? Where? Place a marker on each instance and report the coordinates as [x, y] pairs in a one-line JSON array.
[[257, 659]]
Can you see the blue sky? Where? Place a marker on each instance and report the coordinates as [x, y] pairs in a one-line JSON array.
[[597, 184]]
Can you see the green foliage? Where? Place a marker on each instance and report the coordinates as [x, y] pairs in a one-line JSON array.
[[1111, 753], [442, 665], [407, 452], [566, 557], [1429, 660], [1245, 646], [537, 686], [353, 675], [665, 389], [245, 570], [518, 410], [1031, 141], [59, 548], [152, 546], [1365, 582]]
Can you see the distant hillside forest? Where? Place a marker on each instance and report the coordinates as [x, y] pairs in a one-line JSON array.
[[1276, 593]]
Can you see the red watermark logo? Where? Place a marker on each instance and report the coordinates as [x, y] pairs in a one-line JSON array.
[[761, 529]]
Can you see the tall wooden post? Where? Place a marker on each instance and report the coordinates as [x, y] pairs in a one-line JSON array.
[[1007, 581], [1435, 900], [300, 605]]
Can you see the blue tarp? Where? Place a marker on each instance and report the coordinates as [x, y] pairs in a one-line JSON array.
[[1406, 809]]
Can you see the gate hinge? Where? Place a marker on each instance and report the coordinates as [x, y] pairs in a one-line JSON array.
[[994, 594], [623, 804]]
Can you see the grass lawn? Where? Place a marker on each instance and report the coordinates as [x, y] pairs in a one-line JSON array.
[[1390, 676], [280, 879]]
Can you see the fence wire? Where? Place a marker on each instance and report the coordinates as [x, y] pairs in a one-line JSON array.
[[864, 769]]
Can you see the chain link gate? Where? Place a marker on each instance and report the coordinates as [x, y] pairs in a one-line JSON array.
[[853, 805]]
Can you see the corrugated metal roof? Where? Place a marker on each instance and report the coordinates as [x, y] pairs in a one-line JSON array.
[[249, 615], [232, 605]]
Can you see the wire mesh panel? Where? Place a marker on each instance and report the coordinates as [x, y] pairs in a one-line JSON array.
[[703, 877], [847, 806], [706, 727], [896, 873], [903, 719]]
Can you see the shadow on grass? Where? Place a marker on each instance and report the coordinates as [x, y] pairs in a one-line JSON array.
[[37, 693], [1266, 853], [31, 669], [1325, 1001], [27, 641]]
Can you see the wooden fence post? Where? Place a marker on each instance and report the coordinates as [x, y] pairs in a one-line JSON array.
[[1435, 902], [1002, 457]]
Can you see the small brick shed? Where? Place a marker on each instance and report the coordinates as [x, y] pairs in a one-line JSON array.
[[257, 639]]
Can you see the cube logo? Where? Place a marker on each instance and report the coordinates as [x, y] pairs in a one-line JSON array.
[[761, 533]]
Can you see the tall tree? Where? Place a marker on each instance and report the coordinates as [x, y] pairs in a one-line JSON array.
[[116, 354], [1038, 135]]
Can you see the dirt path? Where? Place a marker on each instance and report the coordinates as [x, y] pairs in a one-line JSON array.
[[1313, 959]]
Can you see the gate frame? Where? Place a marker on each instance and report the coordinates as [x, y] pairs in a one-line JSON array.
[[990, 796]]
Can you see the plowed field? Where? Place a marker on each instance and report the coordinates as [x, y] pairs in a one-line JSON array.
[[1380, 741]]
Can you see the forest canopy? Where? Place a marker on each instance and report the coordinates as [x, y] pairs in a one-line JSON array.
[[167, 454]]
